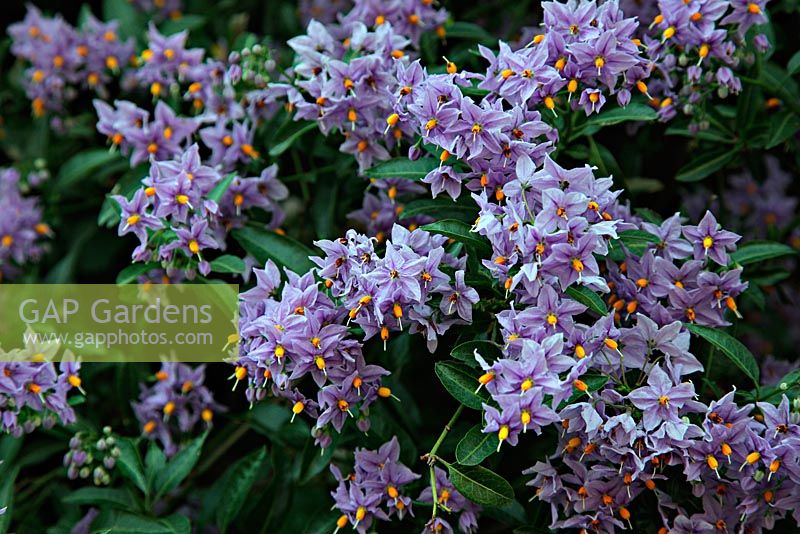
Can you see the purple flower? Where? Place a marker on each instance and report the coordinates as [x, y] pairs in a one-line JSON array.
[[592, 100], [134, 217], [708, 240], [460, 299], [445, 179], [573, 263], [661, 400]]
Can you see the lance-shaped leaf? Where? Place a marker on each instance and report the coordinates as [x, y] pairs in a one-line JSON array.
[[731, 347], [179, 466], [706, 164], [402, 168], [588, 298], [756, 252], [460, 231], [283, 250], [476, 446], [480, 485], [228, 264], [461, 382], [466, 351], [290, 134]]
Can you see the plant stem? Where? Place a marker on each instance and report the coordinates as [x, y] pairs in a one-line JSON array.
[[434, 497], [431, 456], [445, 430]]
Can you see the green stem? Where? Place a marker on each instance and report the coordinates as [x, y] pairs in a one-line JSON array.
[[445, 430], [431, 456], [434, 497]]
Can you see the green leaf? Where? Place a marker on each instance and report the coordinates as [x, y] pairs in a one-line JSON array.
[[588, 298], [154, 462], [129, 274], [649, 215], [782, 127], [179, 466], [219, 190], [130, 464], [323, 208], [126, 523], [758, 251], [708, 135], [778, 82], [468, 30], [290, 133], [793, 67], [440, 208], [476, 446], [82, 165], [480, 485], [235, 486], [731, 347], [746, 107], [460, 231], [460, 382], [402, 168], [184, 22], [7, 497], [265, 244], [636, 241], [113, 497], [706, 164], [474, 92], [632, 112], [228, 264], [177, 524], [131, 20], [466, 351]]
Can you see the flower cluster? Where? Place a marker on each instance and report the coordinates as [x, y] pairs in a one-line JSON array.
[[762, 210], [741, 467], [65, 59], [178, 215], [285, 339], [347, 96], [374, 490], [173, 406], [305, 332], [92, 455], [344, 78], [407, 284], [130, 128], [696, 48], [166, 61], [590, 50], [35, 394], [187, 203], [547, 226], [22, 229]]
